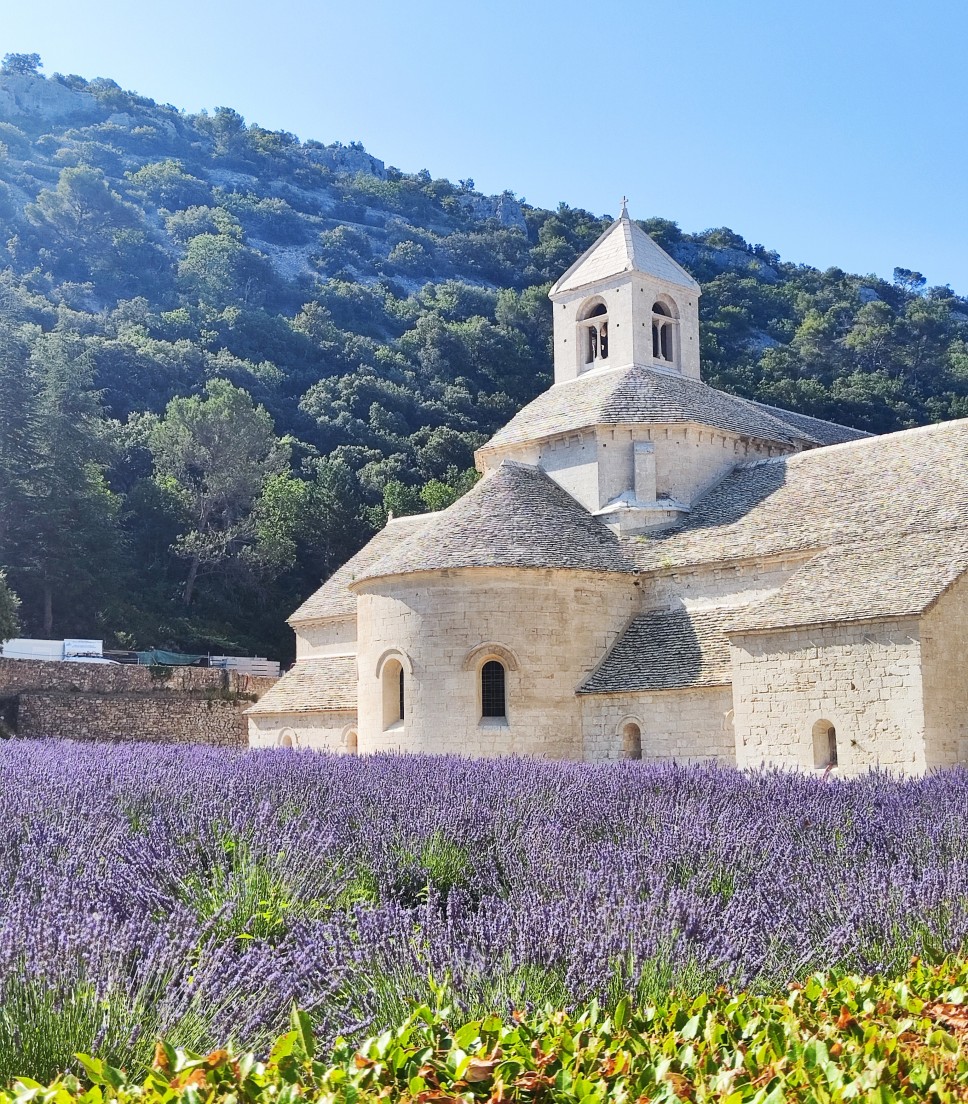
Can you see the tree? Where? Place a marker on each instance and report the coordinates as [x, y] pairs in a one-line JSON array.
[[217, 454], [9, 605], [167, 183], [61, 539], [82, 206], [909, 280], [18, 430], [221, 271], [21, 64]]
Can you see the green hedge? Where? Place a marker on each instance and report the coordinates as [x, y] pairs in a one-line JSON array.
[[830, 1039]]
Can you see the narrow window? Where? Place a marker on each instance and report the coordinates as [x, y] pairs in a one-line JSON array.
[[493, 693], [393, 692], [603, 340], [824, 745], [631, 741], [352, 741], [287, 738]]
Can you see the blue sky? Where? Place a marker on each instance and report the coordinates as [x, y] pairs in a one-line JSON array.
[[833, 131]]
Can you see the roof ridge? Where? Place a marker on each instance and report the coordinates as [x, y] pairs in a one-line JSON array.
[[873, 440]]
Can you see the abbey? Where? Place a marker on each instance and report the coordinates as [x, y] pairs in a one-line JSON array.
[[652, 568]]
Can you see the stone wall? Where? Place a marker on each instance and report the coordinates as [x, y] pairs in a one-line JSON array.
[[17, 675], [676, 725], [334, 636], [944, 650], [736, 584], [556, 625], [333, 731], [864, 679], [93, 701]]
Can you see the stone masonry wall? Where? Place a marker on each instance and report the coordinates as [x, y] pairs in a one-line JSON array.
[[705, 585], [556, 624], [156, 718], [336, 636], [93, 701], [862, 678], [333, 731], [676, 725], [944, 647], [17, 675]]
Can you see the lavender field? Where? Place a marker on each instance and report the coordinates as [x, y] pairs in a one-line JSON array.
[[197, 892]]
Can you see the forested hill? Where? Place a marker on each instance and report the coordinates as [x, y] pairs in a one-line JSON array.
[[224, 353]]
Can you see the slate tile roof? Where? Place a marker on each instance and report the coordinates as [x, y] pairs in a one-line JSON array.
[[906, 482], [333, 599], [636, 395], [515, 517], [667, 650], [623, 247], [320, 685], [814, 429], [893, 575]]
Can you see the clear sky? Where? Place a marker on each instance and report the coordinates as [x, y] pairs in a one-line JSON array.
[[833, 131]]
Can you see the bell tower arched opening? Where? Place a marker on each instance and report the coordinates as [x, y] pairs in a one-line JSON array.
[[593, 334], [665, 333]]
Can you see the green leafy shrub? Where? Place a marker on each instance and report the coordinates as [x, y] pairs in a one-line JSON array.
[[831, 1039]]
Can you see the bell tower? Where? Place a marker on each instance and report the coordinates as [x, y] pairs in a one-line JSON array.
[[625, 302]]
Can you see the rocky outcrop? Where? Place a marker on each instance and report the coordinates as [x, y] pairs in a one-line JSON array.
[[24, 95], [505, 208], [348, 159], [724, 259]]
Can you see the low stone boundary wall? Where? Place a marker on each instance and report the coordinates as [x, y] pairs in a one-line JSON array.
[[94, 701], [17, 675]]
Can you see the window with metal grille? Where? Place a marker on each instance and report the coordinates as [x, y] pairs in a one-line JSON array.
[[492, 689]]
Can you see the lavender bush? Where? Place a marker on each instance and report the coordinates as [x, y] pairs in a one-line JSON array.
[[198, 892]]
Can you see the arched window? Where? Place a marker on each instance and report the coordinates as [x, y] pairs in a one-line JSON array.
[[287, 738], [394, 692], [663, 333], [824, 745], [593, 332], [351, 742], [631, 741], [493, 689]]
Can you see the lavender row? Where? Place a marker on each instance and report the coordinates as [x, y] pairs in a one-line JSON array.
[[198, 892]]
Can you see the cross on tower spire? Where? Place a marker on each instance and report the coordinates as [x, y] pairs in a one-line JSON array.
[[625, 211]]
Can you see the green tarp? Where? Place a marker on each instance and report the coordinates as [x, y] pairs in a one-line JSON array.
[[158, 657]]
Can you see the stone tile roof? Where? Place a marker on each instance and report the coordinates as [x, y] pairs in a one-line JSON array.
[[320, 685], [894, 575], [814, 429], [623, 247], [333, 599], [904, 482], [637, 396], [515, 517], [666, 651]]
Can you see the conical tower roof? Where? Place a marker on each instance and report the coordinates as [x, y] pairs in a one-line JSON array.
[[624, 247], [515, 517]]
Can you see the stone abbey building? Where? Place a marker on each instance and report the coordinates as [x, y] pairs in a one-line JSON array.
[[651, 568]]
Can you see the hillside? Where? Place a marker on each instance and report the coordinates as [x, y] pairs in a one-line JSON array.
[[226, 352]]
